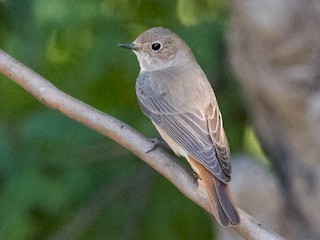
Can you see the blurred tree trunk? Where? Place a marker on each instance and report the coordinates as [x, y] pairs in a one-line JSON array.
[[275, 50]]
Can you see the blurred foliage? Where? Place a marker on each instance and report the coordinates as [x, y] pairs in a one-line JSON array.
[[52, 167], [252, 147], [194, 12]]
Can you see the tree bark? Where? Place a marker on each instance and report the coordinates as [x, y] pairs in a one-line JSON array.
[[48, 94], [275, 49]]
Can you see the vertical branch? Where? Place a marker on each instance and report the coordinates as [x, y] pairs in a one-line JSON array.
[[275, 51]]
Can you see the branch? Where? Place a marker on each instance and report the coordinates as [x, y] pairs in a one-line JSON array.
[[169, 167]]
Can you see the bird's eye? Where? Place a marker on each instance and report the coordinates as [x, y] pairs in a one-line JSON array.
[[155, 46]]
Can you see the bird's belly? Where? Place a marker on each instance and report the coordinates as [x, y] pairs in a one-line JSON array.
[[176, 148], [172, 144]]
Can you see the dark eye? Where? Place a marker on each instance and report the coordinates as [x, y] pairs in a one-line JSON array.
[[155, 46]]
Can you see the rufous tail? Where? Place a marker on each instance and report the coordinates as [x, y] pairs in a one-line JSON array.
[[219, 196]]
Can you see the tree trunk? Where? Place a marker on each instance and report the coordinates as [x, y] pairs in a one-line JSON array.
[[275, 51]]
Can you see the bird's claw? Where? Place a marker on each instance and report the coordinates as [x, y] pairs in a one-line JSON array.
[[155, 144], [196, 177], [158, 142]]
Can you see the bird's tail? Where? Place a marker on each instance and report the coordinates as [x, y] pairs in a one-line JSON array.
[[219, 196], [221, 202]]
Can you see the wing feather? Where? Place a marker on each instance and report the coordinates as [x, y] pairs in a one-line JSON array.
[[201, 135]]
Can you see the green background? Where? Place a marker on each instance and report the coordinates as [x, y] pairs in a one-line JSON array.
[[60, 180]]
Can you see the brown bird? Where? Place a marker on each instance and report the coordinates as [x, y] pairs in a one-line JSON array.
[[175, 94]]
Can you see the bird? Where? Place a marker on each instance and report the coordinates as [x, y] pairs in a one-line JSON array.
[[173, 91]]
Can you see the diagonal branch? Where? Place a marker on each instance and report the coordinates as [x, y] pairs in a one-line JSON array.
[[169, 167]]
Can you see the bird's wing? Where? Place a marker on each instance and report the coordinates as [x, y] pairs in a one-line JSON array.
[[201, 135], [218, 137]]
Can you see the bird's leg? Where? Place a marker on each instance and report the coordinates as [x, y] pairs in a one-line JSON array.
[[156, 143]]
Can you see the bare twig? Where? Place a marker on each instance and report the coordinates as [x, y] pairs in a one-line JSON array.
[[126, 136]]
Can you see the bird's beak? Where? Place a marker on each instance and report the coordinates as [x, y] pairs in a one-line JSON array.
[[130, 46]]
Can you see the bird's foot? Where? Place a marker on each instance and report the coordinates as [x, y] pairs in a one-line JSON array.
[[196, 177], [156, 142]]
